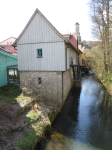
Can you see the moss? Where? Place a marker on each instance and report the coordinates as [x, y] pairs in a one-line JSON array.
[[38, 126], [49, 129], [32, 117]]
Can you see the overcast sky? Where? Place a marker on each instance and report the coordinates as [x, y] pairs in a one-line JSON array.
[[14, 15]]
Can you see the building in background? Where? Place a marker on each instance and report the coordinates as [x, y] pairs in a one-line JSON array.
[[8, 68], [8, 41], [7, 45]]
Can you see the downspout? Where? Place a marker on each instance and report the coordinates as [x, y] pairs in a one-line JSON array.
[[78, 66], [66, 56], [65, 69], [62, 86]]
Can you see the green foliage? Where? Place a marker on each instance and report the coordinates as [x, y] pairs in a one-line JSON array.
[[27, 141], [95, 59]]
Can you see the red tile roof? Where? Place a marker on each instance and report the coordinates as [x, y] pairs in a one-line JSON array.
[[73, 41], [10, 49]]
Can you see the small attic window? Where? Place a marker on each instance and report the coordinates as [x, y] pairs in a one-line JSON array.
[[39, 53]]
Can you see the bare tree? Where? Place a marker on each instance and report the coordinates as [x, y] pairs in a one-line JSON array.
[[101, 18]]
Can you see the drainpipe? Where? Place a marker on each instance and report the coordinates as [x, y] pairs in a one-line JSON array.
[[78, 66], [66, 56], [62, 85]]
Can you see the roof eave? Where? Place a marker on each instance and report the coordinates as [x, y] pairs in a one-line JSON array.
[[73, 47]]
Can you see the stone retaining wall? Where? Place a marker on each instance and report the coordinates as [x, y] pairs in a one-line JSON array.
[[67, 82]]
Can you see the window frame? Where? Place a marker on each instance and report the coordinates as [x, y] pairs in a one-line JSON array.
[[39, 51], [14, 82]]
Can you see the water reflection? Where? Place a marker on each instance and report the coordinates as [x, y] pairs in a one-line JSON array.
[[85, 121]]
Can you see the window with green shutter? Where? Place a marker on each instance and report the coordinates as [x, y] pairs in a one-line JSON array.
[[39, 53]]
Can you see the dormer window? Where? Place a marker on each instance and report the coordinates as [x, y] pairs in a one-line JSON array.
[[39, 53]]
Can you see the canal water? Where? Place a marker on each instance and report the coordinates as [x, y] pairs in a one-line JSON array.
[[85, 121]]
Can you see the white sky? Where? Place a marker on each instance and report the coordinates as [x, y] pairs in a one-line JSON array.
[[14, 15]]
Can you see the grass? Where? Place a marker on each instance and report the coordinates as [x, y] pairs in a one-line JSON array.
[[27, 141], [12, 94], [32, 117]]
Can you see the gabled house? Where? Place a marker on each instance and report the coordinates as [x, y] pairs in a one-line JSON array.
[[8, 41], [45, 58], [8, 73], [7, 44]]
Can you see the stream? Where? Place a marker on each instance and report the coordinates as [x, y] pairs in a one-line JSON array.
[[85, 121]]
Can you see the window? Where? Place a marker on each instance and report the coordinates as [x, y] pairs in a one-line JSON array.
[[7, 42], [39, 80], [10, 42], [39, 53], [13, 76]]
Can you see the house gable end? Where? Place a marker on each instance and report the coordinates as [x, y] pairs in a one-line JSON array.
[[39, 30]]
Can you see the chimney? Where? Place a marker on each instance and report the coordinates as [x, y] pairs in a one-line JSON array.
[[77, 27], [77, 32]]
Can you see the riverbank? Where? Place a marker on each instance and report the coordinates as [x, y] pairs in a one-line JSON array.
[[24, 120]]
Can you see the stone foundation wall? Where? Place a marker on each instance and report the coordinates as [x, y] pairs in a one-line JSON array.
[[67, 82], [50, 86]]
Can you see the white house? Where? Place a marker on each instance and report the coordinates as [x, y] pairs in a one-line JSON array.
[[45, 56]]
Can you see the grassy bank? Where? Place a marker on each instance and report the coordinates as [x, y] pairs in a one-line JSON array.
[[23, 120]]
